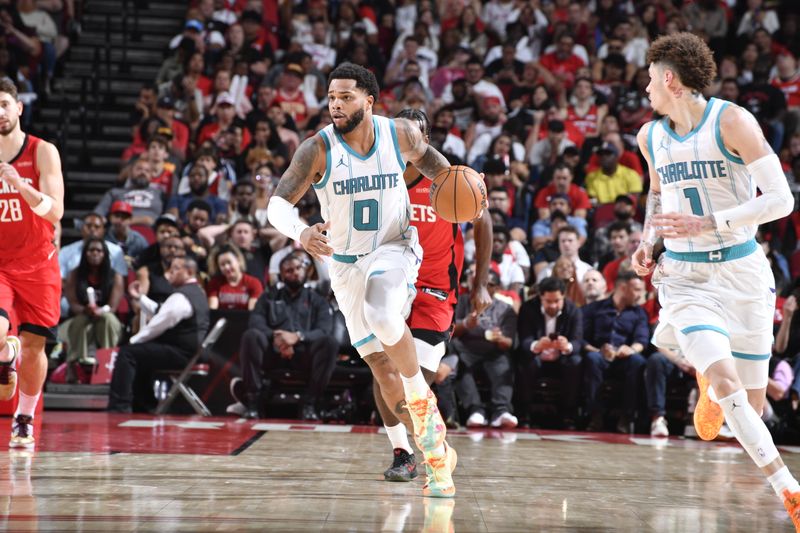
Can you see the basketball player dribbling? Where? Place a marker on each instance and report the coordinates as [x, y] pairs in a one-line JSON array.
[[31, 204], [356, 167], [431, 317], [715, 285]]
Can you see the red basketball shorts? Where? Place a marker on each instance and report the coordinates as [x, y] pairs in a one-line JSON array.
[[31, 289], [431, 314]]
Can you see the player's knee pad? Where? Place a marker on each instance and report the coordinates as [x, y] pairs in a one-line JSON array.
[[748, 427], [383, 305]]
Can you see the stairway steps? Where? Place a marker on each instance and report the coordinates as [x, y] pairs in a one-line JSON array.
[[133, 57]]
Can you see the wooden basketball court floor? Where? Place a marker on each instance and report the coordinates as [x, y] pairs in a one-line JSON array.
[[117, 473]]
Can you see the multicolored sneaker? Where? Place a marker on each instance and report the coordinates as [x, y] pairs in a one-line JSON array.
[[429, 428], [791, 500], [8, 374], [22, 432], [708, 415], [440, 474], [404, 467]]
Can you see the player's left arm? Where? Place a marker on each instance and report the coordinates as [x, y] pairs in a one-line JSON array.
[[48, 201], [480, 298], [428, 160]]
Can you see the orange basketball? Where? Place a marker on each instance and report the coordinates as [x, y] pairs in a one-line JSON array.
[[458, 194]]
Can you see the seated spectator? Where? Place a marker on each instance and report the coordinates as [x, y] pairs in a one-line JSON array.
[[225, 118], [550, 328], [151, 278], [564, 270], [485, 341], [594, 286], [549, 252], [568, 246], [69, 257], [290, 329], [230, 287], [511, 275], [197, 217], [93, 291], [131, 241], [562, 183], [515, 247], [165, 110], [166, 226], [164, 173], [545, 152], [618, 237], [198, 190], [615, 332], [627, 158], [167, 342], [559, 202], [221, 174], [624, 211], [661, 367], [612, 269], [141, 194], [612, 179]]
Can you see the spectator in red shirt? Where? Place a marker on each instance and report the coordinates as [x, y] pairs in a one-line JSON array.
[[231, 288], [225, 113], [562, 183], [165, 110], [164, 171], [627, 158], [290, 97], [563, 63]]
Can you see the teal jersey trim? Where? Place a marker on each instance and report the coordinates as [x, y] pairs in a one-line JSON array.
[[397, 152], [345, 258], [737, 251], [650, 145], [375, 273], [327, 175], [704, 327], [684, 138], [374, 144], [364, 340], [720, 144], [751, 356]]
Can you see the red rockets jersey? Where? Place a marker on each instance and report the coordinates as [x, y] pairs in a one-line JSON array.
[[23, 233], [442, 242]]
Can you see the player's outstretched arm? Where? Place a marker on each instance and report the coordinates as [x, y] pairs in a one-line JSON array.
[[306, 167], [413, 147], [642, 260]]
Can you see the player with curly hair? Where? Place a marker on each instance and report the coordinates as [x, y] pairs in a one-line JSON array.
[[715, 284]]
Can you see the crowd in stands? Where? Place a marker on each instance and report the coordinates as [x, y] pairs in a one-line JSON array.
[[544, 97]]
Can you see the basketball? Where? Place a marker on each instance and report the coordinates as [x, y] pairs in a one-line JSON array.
[[458, 194]]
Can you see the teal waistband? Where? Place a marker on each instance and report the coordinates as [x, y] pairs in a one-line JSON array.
[[342, 258], [730, 253]]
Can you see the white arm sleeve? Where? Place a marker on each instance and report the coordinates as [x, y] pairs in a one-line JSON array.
[[283, 216], [776, 200], [176, 308]]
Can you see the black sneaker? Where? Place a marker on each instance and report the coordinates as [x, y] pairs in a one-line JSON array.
[[404, 467]]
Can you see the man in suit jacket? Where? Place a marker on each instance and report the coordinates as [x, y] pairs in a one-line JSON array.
[[551, 335]]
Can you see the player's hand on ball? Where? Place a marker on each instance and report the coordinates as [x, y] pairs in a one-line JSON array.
[[679, 225], [315, 241], [642, 260]]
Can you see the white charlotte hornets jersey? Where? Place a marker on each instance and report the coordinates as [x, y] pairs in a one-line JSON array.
[[699, 176], [364, 197]]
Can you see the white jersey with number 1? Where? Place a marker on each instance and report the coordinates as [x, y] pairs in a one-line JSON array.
[[364, 197]]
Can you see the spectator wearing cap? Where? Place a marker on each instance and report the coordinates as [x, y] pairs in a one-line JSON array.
[[290, 96], [225, 121], [131, 241], [562, 182], [546, 151], [540, 231], [193, 29], [139, 192], [611, 179], [165, 110], [627, 157], [480, 87], [198, 190]]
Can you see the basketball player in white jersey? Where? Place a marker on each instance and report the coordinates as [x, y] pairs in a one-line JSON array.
[[706, 159], [356, 167]]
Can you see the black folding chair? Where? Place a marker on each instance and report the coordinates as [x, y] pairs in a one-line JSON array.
[[194, 367]]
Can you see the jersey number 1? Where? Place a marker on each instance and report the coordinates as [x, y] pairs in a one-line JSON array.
[[10, 210], [365, 215], [694, 200]]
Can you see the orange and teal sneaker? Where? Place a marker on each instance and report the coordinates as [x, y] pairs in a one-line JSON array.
[[791, 500], [440, 474], [429, 428], [708, 415], [8, 374]]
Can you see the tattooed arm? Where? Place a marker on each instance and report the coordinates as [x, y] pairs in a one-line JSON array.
[[307, 166], [413, 147], [642, 260]]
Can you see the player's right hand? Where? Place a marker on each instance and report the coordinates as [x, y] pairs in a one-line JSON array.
[[642, 260], [315, 241]]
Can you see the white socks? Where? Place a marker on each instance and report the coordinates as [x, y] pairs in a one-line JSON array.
[[27, 404], [783, 480], [415, 385], [398, 437], [748, 427]]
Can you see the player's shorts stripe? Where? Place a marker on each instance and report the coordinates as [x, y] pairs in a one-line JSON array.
[[751, 356], [737, 251], [704, 327], [363, 341]]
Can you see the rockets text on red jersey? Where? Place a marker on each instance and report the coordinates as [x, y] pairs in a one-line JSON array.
[[441, 241], [23, 233]]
